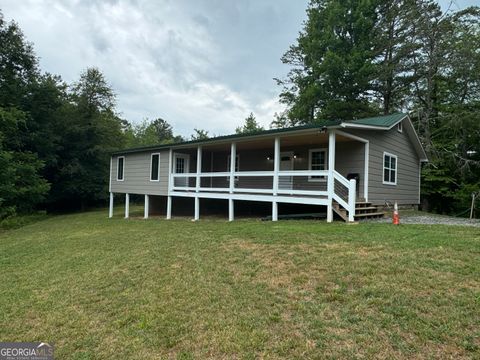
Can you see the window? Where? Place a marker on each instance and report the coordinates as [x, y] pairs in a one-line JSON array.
[[389, 169], [400, 126], [180, 165], [155, 167], [317, 161], [237, 164], [120, 168]]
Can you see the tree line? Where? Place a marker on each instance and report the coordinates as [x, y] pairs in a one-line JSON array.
[[355, 59], [56, 138]]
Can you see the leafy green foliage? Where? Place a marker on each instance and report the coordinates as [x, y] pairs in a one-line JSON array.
[[200, 134], [356, 58], [250, 126]]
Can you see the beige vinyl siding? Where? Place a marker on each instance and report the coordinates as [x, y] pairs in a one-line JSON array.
[[397, 143], [137, 174]]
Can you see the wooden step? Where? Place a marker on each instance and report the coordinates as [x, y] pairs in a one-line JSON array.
[[367, 208], [372, 214], [360, 204], [340, 212]]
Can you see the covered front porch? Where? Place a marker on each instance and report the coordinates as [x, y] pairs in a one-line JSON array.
[[312, 167]]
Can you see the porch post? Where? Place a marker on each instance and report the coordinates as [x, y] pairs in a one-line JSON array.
[[331, 168], [276, 169], [170, 184], [233, 156], [276, 165], [199, 168], [127, 205], [110, 208], [146, 208], [365, 171], [197, 183]]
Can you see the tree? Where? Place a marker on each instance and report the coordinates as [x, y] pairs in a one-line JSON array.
[[200, 134], [332, 63], [89, 132], [18, 65], [250, 126], [21, 186], [393, 49]]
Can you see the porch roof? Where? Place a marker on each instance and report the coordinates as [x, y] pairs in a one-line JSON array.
[[379, 122], [317, 126]]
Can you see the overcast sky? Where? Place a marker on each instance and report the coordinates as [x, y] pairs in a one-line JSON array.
[[198, 64]]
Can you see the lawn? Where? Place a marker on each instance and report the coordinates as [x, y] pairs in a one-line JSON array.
[[101, 288]]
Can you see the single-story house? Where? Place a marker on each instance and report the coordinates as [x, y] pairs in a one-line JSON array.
[[346, 167]]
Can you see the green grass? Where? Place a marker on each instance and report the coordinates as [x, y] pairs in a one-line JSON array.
[[101, 289]]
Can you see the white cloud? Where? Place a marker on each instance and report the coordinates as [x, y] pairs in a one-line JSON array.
[[170, 59]]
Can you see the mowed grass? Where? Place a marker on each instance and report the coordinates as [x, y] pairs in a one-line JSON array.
[[100, 289]]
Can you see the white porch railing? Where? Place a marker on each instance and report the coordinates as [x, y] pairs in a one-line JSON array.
[[343, 190]]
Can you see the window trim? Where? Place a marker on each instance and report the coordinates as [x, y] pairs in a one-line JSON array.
[[400, 127], [123, 168], [151, 164], [186, 158], [385, 153], [310, 151]]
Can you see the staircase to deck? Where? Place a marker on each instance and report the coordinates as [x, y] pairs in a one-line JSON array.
[[363, 210]]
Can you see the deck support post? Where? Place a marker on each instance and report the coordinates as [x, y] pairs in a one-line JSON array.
[[169, 207], [331, 168], [197, 208], [127, 205], [110, 208], [274, 211], [146, 207], [231, 210]]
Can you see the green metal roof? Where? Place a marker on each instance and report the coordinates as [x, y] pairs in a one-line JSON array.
[[385, 121], [381, 121]]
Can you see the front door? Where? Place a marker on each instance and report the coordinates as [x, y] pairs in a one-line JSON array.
[[286, 164], [181, 166]]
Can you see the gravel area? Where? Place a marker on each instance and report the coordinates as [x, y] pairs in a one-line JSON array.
[[431, 220]]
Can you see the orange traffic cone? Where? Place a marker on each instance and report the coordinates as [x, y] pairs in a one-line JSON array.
[[396, 217]]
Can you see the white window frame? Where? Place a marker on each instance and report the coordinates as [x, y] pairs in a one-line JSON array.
[[186, 157], [389, 169], [123, 168], [237, 164], [317, 179], [400, 127], [151, 164]]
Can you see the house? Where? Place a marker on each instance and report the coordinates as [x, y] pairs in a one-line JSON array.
[[346, 167]]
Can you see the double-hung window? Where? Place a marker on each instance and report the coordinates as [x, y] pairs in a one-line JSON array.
[[155, 167], [317, 161], [389, 169], [120, 168]]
